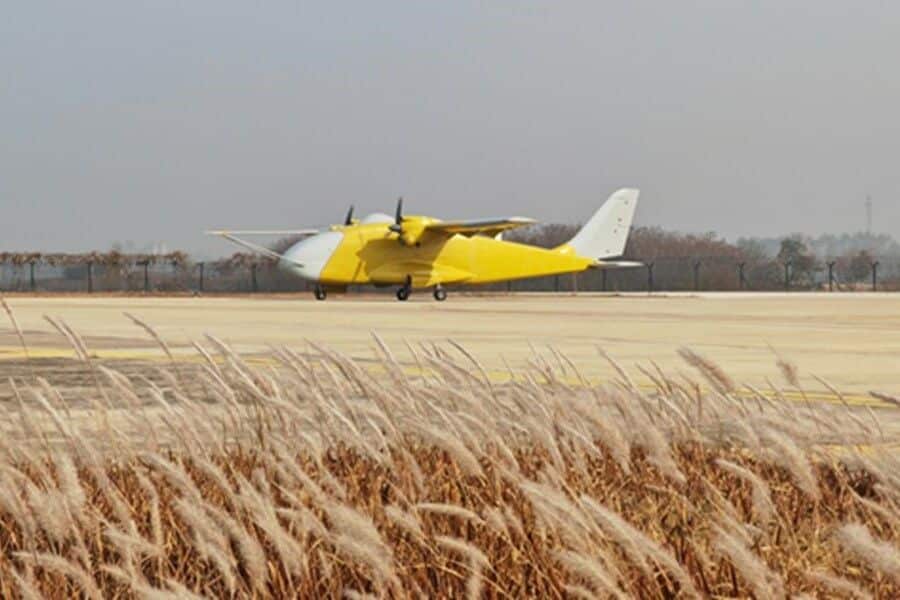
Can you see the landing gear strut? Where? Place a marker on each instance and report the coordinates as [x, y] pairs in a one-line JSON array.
[[320, 292], [440, 294], [404, 292]]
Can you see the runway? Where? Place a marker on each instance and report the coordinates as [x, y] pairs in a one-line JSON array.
[[853, 341]]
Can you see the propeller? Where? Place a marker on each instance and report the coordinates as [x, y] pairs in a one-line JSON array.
[[397, 227], [349, 219]]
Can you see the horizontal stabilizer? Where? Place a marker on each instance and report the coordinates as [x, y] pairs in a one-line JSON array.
[[617, 264]]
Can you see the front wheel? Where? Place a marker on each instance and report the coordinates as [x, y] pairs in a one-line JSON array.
[[320, 293], [440, 294], [403, 294]]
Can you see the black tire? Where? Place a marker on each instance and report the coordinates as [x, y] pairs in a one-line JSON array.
[[440, 294], [403, 294], [320, 293]]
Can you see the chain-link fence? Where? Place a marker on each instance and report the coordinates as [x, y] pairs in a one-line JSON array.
[[248, 275], [213, 277], [716, 273]]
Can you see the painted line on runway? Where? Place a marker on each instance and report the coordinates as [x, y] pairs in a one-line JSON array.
[[152, 354]]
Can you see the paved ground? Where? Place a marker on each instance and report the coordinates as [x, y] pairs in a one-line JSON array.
[[853, 340]]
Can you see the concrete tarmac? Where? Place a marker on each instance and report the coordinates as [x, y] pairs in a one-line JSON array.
[[852, 340]]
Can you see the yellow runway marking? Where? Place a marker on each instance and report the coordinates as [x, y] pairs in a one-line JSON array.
[[17, 353], [853, 340], [152, 354]]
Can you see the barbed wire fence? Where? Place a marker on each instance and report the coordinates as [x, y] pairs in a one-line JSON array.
[[246, 273]]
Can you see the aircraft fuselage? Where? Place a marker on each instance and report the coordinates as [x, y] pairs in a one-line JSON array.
[[373, 254]]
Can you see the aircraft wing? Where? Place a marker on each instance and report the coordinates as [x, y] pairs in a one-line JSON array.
[[229, 235], [263, 232], [483, 226]]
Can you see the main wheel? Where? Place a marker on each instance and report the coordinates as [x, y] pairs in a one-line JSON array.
[[403, 294], [440, 294], [320, 292]]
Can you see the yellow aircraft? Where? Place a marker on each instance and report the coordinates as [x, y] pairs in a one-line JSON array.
[[423, 252]]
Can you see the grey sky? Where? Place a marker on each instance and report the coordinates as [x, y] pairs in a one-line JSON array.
[[151, 121]]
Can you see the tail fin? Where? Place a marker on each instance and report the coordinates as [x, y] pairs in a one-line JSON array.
[[604, 236]]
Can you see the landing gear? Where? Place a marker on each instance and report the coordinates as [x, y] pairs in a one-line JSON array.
[[404, 292], [440, 294], [320, 292]]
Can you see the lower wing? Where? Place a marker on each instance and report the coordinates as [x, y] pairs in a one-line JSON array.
[[423, 274]]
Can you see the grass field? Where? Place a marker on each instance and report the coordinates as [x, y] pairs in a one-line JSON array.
[[292, 453]]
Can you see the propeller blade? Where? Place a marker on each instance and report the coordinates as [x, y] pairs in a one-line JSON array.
[[349, 219], [398, 218]]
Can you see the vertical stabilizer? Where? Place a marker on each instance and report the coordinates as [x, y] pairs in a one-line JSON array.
[[605, 235]]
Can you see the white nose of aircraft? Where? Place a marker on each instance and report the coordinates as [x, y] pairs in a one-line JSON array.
[[307, 258]]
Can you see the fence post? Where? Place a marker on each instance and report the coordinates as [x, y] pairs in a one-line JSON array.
[[831, 275], [697, 276], [90, 276], [742, 283], [875, 276], [146, 264], [556, 283], [253, 282], [650, 277], [31, 277], [575, 283], [603, 278], [787, 276], [200, 285]]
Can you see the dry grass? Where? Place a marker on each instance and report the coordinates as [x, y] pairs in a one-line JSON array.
[[324, 477]]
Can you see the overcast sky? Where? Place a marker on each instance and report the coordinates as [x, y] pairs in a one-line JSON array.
[[151, 121]]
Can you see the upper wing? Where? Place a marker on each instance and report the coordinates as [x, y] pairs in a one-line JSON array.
[[483, 226]]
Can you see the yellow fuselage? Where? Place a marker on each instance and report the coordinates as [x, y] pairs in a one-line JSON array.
[[371, 253]]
